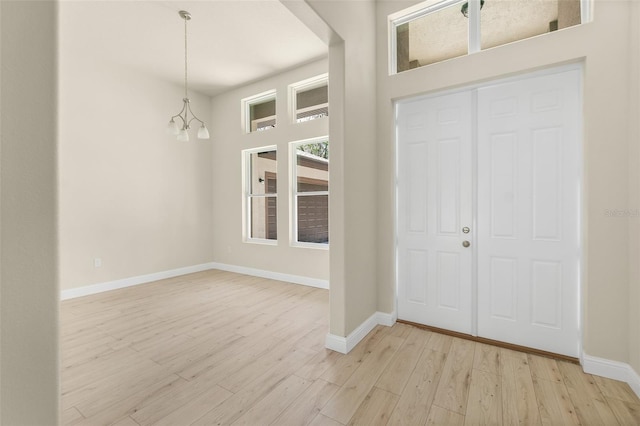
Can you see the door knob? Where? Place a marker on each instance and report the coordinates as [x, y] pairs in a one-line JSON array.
[[466, 244]]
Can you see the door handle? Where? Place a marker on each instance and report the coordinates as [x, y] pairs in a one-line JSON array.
[[466, 243]]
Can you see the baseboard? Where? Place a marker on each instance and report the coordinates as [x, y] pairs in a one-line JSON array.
[[612, 370], [384, 318], [345, 344], [72, 293], [296, 279]]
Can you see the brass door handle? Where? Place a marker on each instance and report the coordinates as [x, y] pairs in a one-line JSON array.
[[466, 243]]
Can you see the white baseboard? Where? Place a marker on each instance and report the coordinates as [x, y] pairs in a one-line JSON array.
[[345, 344], [72, 293], [612, 370], [296, 279], [384, 318]]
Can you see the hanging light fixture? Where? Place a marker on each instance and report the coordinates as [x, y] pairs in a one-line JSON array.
[[183, 115], [465, 8]]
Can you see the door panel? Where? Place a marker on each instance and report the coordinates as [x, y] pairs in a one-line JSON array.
[[434, 203], [528, 212]]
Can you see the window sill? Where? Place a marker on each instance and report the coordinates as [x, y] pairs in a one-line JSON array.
[[317, 246], [261, 241]]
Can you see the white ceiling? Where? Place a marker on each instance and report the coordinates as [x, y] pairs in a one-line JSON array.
[[231, 42]]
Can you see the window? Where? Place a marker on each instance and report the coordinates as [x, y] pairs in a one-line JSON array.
[[438, 30], [310, 190], [310, 99], [260, 112], [261, 191], [431, 38], [503, 22]]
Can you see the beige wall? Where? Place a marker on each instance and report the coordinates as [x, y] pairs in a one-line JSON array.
[[352, 96], [229, 139], [604, 47], [130, 194], [28, 252]]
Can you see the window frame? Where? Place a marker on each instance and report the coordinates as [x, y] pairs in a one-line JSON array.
[[294, 194], [247, 195], [247, 103], [307, 84], [427, 7]]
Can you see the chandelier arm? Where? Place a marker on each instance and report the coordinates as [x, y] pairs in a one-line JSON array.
[[184, 121], [193, 116]]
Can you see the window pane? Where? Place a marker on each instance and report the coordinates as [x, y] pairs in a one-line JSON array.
[[312, 170], [432, 38], [313, 219], [263, 172], [264, 217], [505, 21], [312, 103], [262, 115]]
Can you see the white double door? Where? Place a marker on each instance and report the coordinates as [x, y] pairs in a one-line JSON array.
[[488, 211]]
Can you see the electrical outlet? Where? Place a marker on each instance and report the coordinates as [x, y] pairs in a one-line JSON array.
[[97, 262]]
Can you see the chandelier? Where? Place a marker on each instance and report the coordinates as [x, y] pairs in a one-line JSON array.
[[183, 115]]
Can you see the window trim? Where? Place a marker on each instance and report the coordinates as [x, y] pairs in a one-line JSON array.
[[247, 196], [474, 37], [293, 194], [246, 104], [308, 84]]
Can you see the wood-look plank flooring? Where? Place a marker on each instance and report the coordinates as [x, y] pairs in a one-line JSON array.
[[222, 348]]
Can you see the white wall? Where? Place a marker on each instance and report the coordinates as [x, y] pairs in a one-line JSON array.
[[229, 139], [604, 46], [28, 250], [130, 194]]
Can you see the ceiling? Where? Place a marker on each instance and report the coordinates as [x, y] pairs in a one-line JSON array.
[[231, 42]]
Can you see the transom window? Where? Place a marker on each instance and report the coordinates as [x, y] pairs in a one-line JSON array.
[[260, 112], [309, 99], [435, 31]]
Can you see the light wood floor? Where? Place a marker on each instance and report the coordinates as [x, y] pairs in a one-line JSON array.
[[222, 348]]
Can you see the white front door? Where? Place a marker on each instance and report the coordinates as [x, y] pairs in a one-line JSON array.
[[528, 212], [517, 144], [434, 195]]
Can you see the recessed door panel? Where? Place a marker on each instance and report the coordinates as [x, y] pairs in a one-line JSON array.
[[416, 210], [448, 186], [503, 174], [547, 184], [503, 287]]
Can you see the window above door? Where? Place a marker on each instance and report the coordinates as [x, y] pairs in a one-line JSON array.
[[434, 31]]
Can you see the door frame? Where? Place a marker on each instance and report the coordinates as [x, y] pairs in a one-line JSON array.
[[582, 213]]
